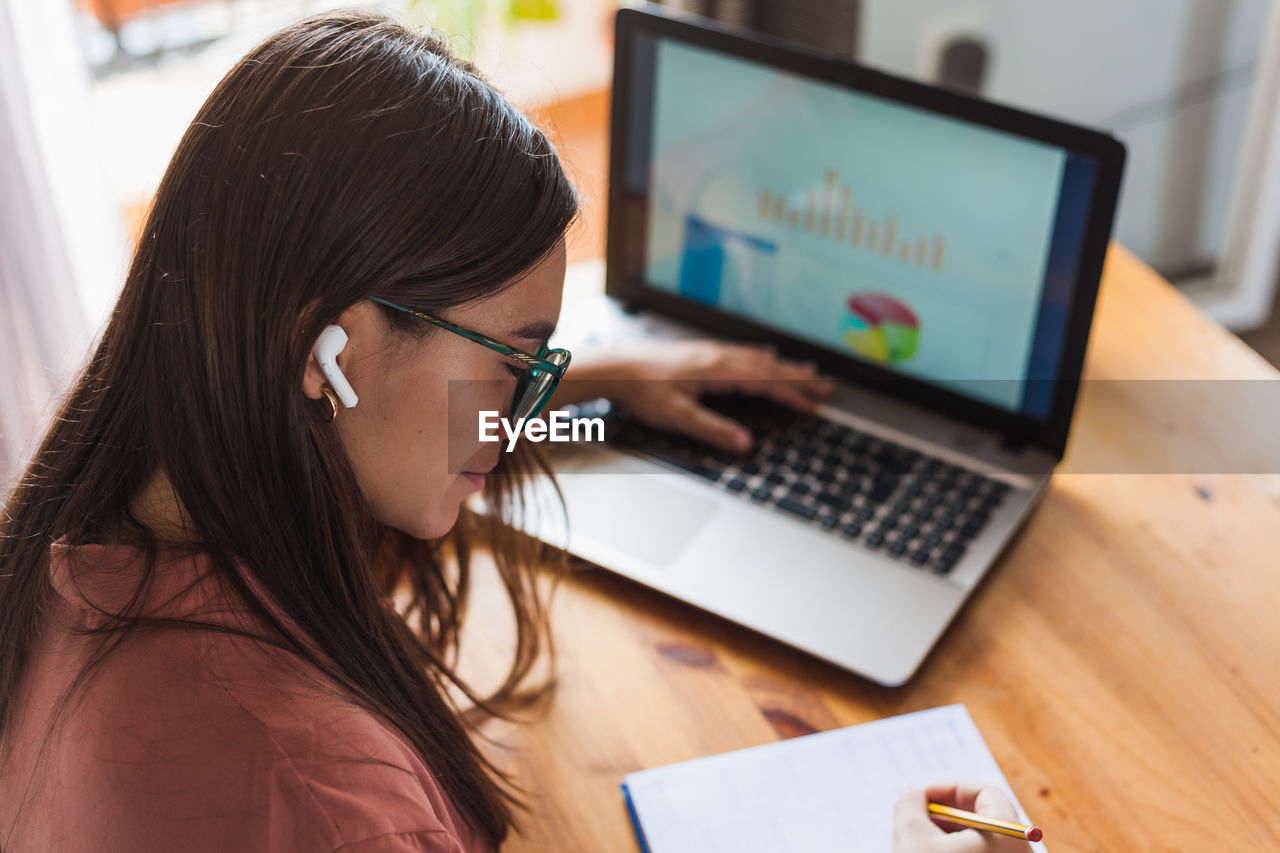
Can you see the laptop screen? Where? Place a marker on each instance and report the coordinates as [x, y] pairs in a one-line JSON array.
[[932, 247]]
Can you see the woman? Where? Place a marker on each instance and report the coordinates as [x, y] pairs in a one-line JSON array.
[[197, 647]]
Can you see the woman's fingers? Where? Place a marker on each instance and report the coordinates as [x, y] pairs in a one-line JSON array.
[[985, 800], [973, 797], [687, 370], [756, 370], [802, 394], [991, 801], [718, 366], [912, 828], [914, 832], [694, 419]]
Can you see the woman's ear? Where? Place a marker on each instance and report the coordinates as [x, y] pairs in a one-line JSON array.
[[333, 352], [332, 340]]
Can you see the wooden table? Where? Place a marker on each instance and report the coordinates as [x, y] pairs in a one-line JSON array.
[[1122, 660]]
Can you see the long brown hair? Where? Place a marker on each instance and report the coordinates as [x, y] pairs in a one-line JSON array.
[[345, 157]]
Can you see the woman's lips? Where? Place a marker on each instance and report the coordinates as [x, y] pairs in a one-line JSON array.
[[474, 479]]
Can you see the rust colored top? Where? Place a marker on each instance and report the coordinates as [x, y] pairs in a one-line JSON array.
[[193, 740]]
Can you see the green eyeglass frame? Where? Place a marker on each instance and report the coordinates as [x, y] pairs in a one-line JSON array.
[[543, 370]]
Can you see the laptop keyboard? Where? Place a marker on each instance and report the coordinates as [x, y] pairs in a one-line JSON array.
[[886, 497]]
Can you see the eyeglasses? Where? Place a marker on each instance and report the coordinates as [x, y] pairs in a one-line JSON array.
[[542, 371]]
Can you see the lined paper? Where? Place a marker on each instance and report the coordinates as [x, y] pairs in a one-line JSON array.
[[832, 790]]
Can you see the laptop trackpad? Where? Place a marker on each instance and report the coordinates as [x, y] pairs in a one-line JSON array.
[[620, 509]]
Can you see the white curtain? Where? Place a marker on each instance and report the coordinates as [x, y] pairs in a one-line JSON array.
[[61, 241]]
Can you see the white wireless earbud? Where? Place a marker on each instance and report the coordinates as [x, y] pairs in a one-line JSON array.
[[328, 345]]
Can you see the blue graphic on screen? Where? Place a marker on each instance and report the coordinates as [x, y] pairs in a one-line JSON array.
[[723, 267], [901, 237]]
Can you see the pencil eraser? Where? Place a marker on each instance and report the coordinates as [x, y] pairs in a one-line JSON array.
[[1034, 834]]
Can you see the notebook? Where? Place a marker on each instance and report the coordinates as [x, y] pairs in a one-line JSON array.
[[832, 790]]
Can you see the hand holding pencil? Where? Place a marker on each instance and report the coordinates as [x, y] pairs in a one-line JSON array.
[[916, 830]]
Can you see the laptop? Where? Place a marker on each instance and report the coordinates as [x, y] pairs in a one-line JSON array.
[[939, 255]]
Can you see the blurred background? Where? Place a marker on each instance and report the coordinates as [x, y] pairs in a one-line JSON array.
[[95, 94]]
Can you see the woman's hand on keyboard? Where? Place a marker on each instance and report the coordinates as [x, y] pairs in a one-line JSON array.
[[668, 377], [915, 832]]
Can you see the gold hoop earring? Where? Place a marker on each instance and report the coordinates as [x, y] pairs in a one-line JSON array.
[[333, 402]]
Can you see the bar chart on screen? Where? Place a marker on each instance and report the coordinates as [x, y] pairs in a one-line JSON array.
[[830, 211]]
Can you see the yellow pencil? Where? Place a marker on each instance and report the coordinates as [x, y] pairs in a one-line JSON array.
[[990, 824]]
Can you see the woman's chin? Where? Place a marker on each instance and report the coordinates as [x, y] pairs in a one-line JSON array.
[[443, 514], [440, 522], [438, 528]]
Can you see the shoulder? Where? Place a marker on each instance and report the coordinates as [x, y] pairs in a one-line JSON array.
[[194, 739], [251, 747], [335, 761]]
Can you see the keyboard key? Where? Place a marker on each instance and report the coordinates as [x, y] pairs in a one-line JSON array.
[[974, 524], [879, 494], [775, 478], [830, 521], [836, 502], [796, 508], [874, 540], [920, 556], [897, 549], [852, 530], [894, 463], [866, 513], [762, 494], [848, 488], [737, 484]]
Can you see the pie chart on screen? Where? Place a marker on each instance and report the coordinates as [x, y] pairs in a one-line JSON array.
[[880, 328]]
